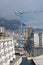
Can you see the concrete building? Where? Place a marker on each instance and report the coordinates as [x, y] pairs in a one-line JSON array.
[[37, 43], [7, 51], [42, 39], [2, 29], [36, 39]]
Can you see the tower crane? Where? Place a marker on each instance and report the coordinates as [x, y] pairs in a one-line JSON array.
[[20, 15]]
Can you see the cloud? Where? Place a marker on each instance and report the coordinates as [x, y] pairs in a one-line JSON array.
[[8, 7]]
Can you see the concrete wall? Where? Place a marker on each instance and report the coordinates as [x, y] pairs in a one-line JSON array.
[[37, 51], [18, 62]]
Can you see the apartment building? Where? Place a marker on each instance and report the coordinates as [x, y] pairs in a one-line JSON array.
[[36, 39], [37, 43], [7, 51]]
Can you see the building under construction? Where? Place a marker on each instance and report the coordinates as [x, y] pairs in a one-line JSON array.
[[35, 44]]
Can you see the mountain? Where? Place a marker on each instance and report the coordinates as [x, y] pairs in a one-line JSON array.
[[14, 25], [10, 24], [38, 30]]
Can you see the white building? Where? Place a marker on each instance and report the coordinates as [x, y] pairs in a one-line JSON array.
[[37, 43], [36, 39], [7, 52], [2, 29]]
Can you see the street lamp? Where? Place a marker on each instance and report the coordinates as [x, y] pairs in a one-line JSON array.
[[20, 14]]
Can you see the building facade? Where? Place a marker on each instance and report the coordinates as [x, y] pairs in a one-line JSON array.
[[7, 51], [36, 39], [2, 29], [37, 42]]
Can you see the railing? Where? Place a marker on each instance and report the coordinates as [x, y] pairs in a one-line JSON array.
[[18, 61]]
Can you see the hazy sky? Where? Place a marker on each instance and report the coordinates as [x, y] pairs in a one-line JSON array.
[[8, 7]]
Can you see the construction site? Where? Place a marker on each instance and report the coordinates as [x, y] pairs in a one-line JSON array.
[[21, 45]]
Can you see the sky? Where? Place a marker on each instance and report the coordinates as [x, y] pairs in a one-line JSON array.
[[9, 7]]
